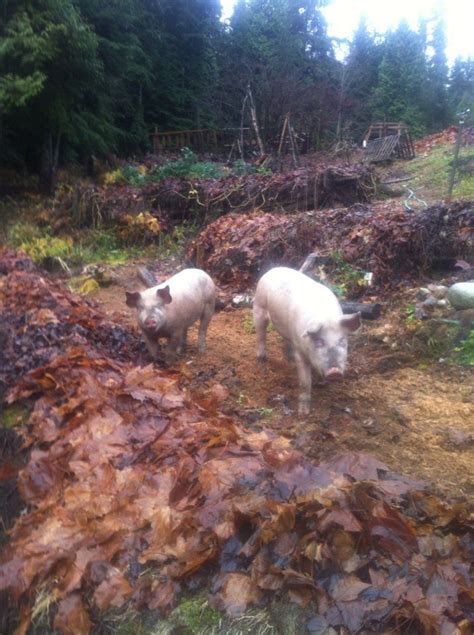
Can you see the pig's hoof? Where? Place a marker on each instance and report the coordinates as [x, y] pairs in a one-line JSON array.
[[261, 359], [303, 409], [201, 349]]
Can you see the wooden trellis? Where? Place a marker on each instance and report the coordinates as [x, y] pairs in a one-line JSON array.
[[386, 140]]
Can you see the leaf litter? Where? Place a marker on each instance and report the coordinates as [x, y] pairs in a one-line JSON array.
[[383, 238], [137, 491]]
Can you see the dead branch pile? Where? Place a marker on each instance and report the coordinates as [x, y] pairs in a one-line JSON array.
[[384, 239], [136, 492], [178, 199]]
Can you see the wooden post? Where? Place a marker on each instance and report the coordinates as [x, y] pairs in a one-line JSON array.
[[457, 147], [253, 114]]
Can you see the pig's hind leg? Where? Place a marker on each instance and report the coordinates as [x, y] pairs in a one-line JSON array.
[[261, 321], [206, 318]]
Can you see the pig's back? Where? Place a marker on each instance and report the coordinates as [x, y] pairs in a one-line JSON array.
[[294, 301], [191, 290], [195, 282]]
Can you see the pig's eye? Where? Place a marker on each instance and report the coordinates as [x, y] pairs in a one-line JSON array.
[[319, 342], [342, 342]]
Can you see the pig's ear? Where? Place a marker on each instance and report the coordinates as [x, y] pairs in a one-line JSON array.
[[351, 322], [132, 298], [164, 294]]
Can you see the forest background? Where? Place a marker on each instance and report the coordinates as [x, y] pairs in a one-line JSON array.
[[83, 78]]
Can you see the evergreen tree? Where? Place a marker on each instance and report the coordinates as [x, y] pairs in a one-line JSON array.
[[461, 85], [437, 112], [61, 78], [398, 95], [361, 72]]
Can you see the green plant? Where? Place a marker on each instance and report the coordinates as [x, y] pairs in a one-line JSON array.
[[47, 246], [465, 350], [195, 614], [347, 278], [241, 168], [188, 166], [133, 175], [22, 232], [410, 314], [14, 415]]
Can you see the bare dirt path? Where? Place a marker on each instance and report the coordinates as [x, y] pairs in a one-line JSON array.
[[418, 419]]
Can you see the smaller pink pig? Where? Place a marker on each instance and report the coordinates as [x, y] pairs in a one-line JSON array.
[[169, 309], [310, 319]]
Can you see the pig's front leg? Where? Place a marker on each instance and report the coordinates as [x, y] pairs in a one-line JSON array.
[[260, 320], [304, 376], [153, 346], [173, 347]]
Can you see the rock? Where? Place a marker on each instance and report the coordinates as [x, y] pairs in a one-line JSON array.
[[439, 291], [461, 295], [423, 293]]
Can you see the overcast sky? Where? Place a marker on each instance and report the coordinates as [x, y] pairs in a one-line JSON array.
[[343, 16]]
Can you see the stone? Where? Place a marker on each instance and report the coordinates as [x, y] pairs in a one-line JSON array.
[[461, 295], [439, 291]]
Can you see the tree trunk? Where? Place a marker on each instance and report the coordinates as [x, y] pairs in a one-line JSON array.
[[49, 164]]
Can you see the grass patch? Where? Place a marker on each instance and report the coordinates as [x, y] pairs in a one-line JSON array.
[[195, 615], [92, 246], [432, 172]]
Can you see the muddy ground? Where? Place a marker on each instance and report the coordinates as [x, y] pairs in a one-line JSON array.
[[415, 415]]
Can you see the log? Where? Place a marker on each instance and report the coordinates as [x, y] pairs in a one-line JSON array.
[[314, 259], [147, 277], [367, 311]]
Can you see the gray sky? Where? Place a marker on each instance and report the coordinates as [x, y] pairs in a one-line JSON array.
[[343, 16]]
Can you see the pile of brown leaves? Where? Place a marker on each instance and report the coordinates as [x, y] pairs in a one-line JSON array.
[[39, 318], [384, 239], [445, 137], [136, 491]]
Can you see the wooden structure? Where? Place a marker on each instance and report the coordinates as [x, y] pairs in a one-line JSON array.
[[385, 140], [201, 139]]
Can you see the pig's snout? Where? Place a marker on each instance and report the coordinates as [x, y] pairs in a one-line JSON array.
[[334, 374], [151, 324]]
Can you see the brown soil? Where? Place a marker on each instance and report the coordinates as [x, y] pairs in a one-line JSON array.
[[419, 419]]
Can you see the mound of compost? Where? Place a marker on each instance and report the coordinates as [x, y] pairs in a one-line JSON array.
[[393, 244]]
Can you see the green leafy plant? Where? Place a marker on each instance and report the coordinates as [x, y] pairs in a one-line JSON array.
[[410, 314], [188, 166], [465, 350], [346, 277]]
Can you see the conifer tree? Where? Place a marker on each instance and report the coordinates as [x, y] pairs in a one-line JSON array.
[[398, 95]]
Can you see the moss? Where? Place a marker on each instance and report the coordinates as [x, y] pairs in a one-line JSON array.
[[14, 415], [195, 614]]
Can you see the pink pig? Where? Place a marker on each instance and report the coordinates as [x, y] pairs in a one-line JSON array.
[[310, 319]]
